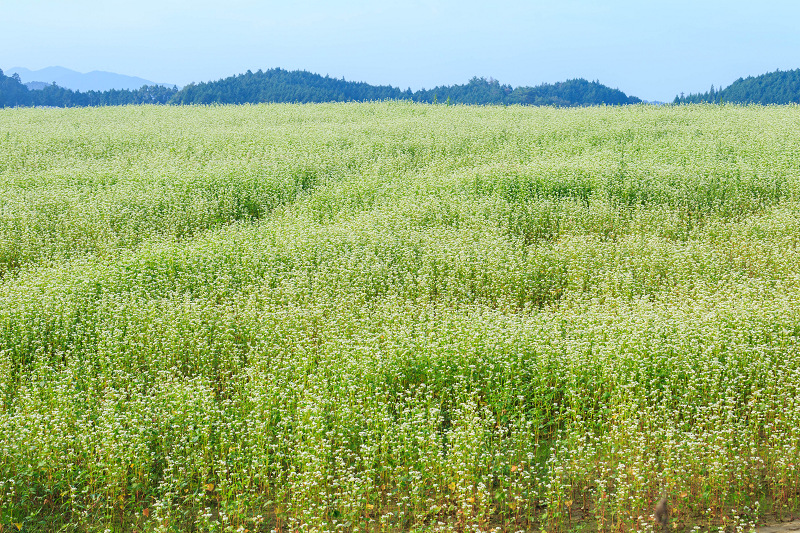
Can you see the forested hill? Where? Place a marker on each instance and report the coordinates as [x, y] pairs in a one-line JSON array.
[[278, 85], [779, 87], [578, 92]]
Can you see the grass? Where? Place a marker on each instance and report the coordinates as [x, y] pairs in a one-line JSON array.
[[398, 317]]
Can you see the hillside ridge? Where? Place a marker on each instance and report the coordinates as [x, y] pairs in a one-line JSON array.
[[278, 85], [779, 87]]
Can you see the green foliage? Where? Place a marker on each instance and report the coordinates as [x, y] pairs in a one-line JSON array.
[[577, 92], [278, 85], [398, 317], [779, 87]]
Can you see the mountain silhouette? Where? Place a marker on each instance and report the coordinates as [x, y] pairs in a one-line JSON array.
[[96, 80]]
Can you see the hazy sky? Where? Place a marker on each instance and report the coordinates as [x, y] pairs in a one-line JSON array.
[[652, 50]]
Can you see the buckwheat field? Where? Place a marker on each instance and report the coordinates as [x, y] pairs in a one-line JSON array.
[[397, 317]]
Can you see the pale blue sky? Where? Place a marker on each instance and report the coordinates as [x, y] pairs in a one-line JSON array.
[[653, 50]]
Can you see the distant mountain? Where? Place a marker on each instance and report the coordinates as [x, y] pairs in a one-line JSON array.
[[36, 85], [69, 79], [779, 87], [13, 93], [278, 85]]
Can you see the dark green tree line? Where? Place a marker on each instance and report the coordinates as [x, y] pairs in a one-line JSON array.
[[278, 85], [779, 87]]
